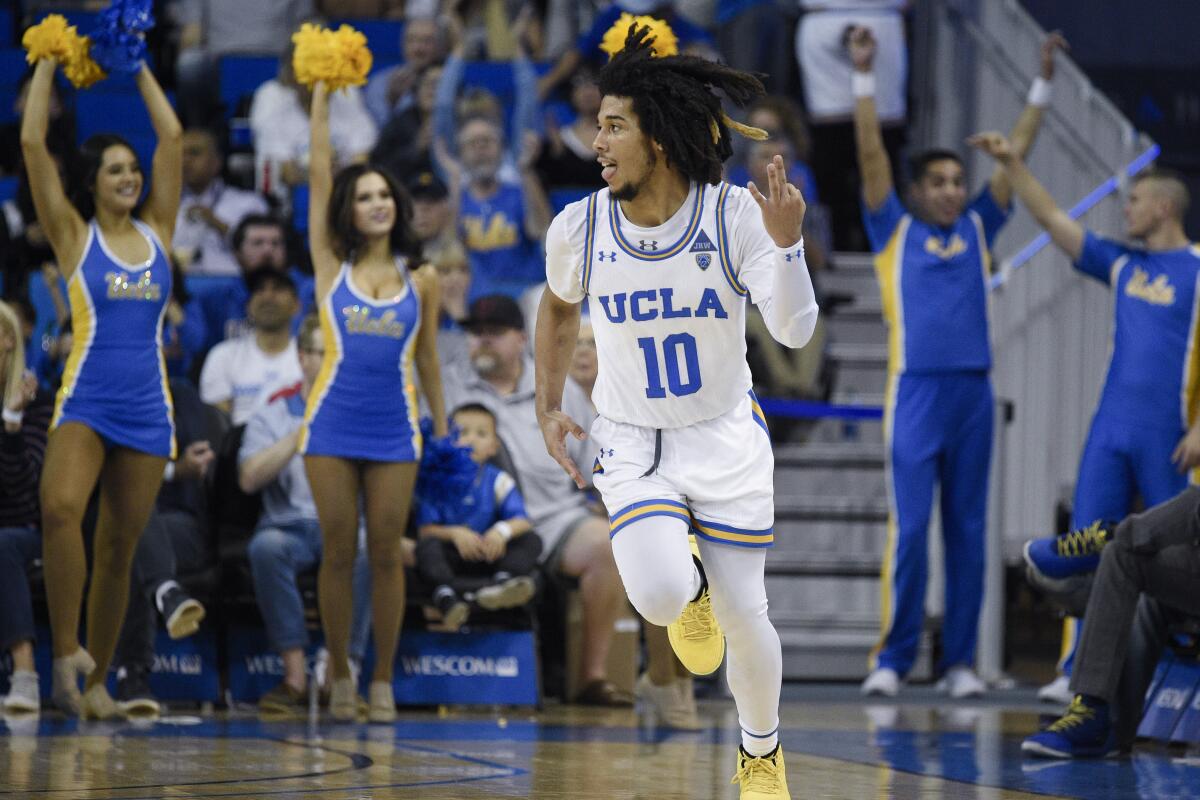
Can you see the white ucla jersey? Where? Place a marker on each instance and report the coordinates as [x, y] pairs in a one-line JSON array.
[[667, 304]]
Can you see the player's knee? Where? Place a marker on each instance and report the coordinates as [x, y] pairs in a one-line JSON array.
[[659, 603]]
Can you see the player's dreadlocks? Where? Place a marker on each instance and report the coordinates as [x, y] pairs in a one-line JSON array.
[[675, 103]]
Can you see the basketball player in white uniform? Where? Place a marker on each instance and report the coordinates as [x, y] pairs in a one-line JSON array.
[[668, 255]]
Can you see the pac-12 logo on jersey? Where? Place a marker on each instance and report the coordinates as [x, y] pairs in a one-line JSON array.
[[703, 260]]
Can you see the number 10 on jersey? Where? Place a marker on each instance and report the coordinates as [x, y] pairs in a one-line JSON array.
[[675, 347]]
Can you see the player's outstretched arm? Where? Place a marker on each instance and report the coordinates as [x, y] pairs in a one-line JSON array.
[[554, 338], [1030, 122], [873, 162], [1066, 232]]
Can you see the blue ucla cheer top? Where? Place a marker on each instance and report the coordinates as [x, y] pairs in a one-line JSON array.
[[115, 380], [363, 404], [1154, 367], [934, 285]]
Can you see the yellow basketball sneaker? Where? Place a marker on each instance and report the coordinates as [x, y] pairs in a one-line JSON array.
[[762, 777], [695, 636]]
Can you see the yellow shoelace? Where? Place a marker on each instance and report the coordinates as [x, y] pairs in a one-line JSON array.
[[697, 619], [1083, 542], [1076, 715], [758, 774]]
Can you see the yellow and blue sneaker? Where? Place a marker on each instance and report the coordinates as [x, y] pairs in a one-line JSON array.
[[696, 636], [762, 777], [1083, 732], [1056, 558]]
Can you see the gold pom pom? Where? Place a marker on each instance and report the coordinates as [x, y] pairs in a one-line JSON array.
[[80, 69], [339, 58], [50, 38], [665, 43], [53, 38]]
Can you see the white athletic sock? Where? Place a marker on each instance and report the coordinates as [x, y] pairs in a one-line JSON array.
[[760, 745]]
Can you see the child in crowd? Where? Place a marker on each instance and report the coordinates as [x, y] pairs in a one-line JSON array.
[[483, 548]]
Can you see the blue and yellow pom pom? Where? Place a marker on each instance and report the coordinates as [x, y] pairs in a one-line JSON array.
[[446, 472], [664, 41], [339, 58]]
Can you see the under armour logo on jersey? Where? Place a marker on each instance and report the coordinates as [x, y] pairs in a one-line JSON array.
[[702, 244], [799, 254], [606, 453], [644, 245], [602, 256]]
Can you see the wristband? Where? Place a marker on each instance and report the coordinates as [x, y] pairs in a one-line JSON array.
[[1039, 92], [13, 417], [862, 84], [169, 472], [504, 529]]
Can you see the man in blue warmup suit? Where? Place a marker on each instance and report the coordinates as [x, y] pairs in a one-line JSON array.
[[1144, 435], [933, 266]]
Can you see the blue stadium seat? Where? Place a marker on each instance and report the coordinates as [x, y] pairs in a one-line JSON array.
[[12, 67], [383, 36], [112, 112], [241, 75], [561, 198], [8, 188], [300, 198], [84, 21], [6, 27]]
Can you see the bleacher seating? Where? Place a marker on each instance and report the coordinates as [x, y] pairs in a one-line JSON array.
[[6, 27], [8, 188], [383, 37], [241, 75]]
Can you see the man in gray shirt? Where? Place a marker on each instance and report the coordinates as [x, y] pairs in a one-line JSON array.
[[288, 539], [214, 28], [500, 377]]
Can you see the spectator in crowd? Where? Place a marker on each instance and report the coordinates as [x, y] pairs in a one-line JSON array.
[[60, 137], [567, 160], [279, 121], [405, 141], [940, 395], [575, 538], [690, 37], [287, 542], [364, 9], [825, 70], [259, 241], [175, 542], [433, 220], [752, 37], [210, 29], [758, 156], [209, 210], [241, 374], [481, 549], [1149, 566], [26, 248], [185, 335], [26, 412], [393, 90], [500, 223], [454, 272], [583, 362], [452, 111]]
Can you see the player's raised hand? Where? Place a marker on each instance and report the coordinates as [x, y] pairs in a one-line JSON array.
[[994, 143], [782, 207], [1053, 42], [555, 427], [861, 45]]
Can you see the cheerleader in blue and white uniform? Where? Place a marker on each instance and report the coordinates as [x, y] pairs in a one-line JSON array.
[[379, 316], [113, 418]]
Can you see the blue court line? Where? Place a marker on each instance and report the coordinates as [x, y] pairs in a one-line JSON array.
[[1089, 201]]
